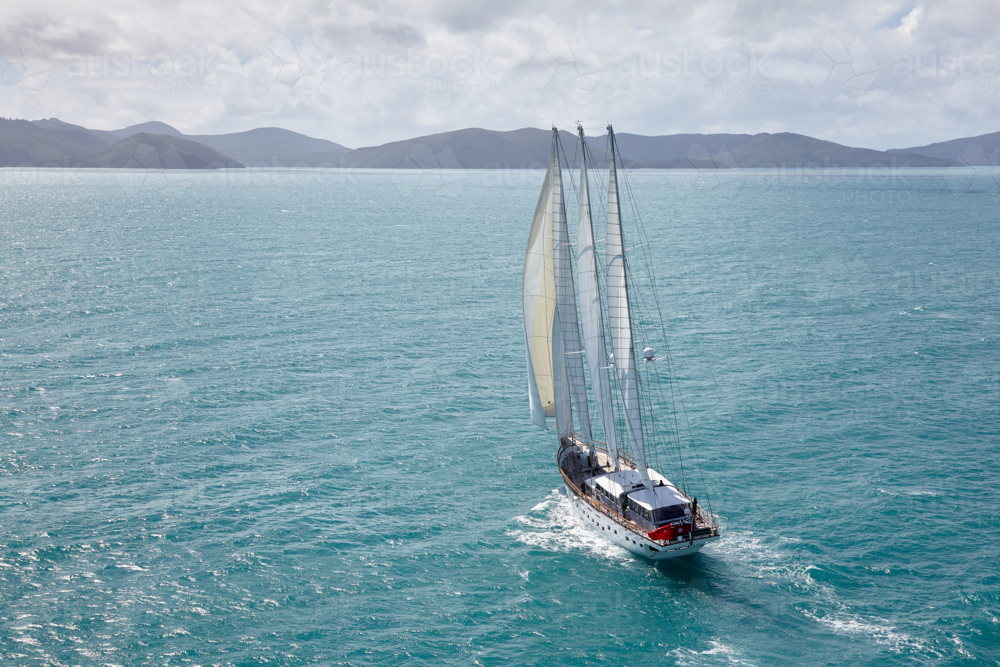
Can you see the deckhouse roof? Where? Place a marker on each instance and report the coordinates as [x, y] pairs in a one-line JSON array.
[[615, 483]]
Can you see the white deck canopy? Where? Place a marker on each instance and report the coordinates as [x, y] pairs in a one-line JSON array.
[[615, 483]]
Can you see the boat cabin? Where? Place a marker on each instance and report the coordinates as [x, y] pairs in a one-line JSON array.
[[650, 508]]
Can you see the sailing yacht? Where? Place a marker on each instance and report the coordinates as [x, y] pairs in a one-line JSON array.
[[611, 486]]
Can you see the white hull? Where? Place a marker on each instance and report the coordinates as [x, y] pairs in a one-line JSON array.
[[637, 543]]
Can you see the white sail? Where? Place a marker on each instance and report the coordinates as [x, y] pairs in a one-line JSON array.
[[621, 324], [591, 317], [539, 296], [560, 381], [562, 263]]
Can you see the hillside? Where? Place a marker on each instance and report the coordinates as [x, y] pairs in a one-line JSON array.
[[673, 150], [273, 146], [473, 148], [48, 143], [727, 151], [261, 147], [796, 150], [476, 148], [160, 151], [52, 142], [981, 151], [152, 127]]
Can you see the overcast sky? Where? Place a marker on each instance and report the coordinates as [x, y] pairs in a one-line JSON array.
[[873, 73]]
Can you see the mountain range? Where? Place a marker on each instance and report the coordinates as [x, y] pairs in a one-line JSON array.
[[155, 145]]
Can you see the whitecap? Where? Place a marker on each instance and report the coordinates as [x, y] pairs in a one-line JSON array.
[[717, 653], [876, 629], [552, 526], [770, 564]]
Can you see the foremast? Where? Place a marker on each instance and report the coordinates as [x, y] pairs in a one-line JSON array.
[[552, 328]]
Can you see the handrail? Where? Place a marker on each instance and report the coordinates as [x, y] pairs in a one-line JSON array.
[[597, 506], [625, 523]]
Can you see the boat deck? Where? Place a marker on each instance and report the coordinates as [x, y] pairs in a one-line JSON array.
[[574, 474]]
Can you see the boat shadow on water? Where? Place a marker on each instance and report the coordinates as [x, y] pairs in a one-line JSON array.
[[696, 572]]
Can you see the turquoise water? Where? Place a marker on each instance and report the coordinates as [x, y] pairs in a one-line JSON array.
[[279, 417]]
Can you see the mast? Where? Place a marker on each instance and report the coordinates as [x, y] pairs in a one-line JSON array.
[[621, 323], [560, 368], [591, 316], [566, 310], [551, 328]]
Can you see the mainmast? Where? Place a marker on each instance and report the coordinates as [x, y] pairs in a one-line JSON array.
[[620, 320], [591, 316]]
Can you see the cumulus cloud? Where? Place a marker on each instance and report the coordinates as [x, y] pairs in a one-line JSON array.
[[875, 73]]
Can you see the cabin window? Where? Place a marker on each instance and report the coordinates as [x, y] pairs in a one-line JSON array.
[[666, 514], [639, 509]]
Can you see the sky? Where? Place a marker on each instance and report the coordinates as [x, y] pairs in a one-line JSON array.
[[873, 73]]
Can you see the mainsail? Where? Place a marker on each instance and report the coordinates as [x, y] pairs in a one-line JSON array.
[[562, 251], [591, 316], [621, 324]]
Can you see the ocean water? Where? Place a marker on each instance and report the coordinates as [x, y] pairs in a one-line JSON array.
[[280, 417]]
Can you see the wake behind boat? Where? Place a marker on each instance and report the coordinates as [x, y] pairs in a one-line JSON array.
[[612, 490]]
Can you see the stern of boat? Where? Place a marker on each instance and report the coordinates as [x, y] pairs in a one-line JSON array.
[[576, 466]]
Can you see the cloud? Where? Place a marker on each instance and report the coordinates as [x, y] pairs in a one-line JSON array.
[[876, 73]]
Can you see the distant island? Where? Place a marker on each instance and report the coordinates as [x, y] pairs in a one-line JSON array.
[[155, 145]]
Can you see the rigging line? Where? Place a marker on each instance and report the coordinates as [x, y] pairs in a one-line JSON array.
[[642, 232], [654, 390], [648, 436], [641, 303], [605, 314], [652, 432], [674, 380], [661, 435], [569, 166], [562, 152]]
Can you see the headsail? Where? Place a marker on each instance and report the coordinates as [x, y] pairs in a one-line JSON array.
[[591, 316], [539, 295], [621, 324]]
